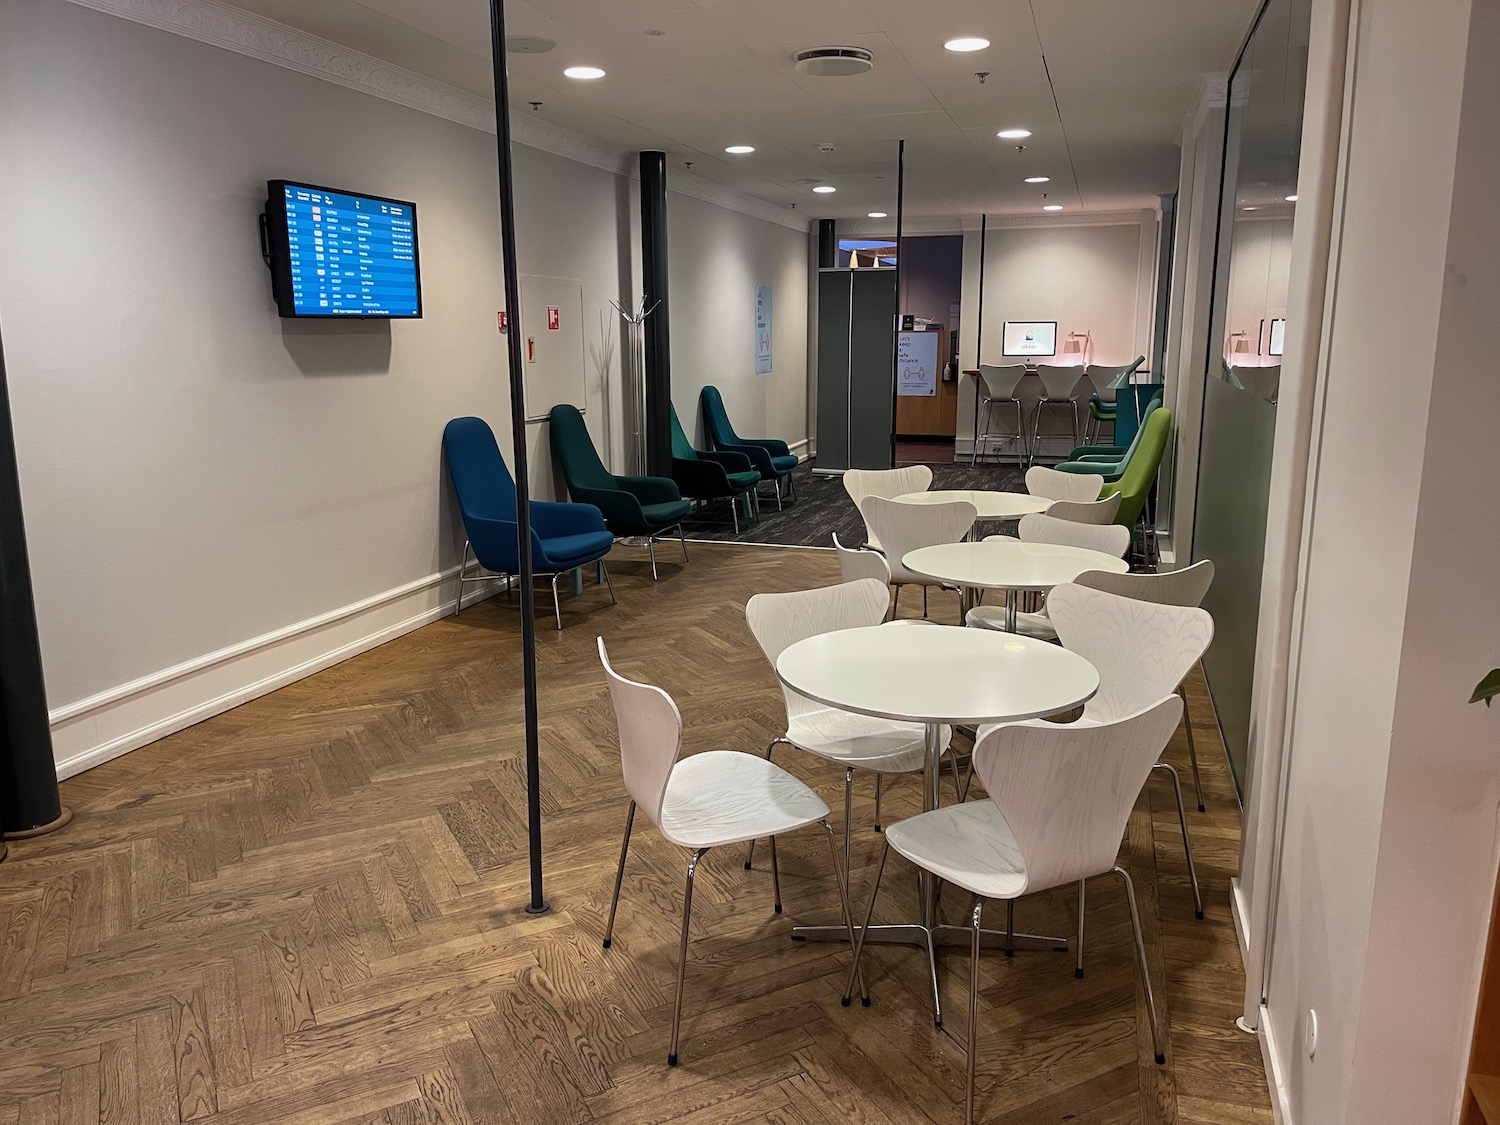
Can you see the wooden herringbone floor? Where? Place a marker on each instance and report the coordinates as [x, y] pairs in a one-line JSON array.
[[310, 910]]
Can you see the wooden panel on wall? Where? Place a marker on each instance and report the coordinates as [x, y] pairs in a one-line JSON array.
[[930, 415]]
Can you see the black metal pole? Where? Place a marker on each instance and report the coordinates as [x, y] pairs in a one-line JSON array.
[[538, 904], [900, 258], [658, 326], [828, 244], [979, 316], [29, 802]]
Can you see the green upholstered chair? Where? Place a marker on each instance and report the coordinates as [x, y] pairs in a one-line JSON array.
[[1140, 474], [1108, 461], [772, 459], [711, 474], [645, 506]]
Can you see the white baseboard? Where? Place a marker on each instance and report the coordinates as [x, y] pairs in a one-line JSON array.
[[95, 730], [804, 445], [1239, 910], [1271, 1056]]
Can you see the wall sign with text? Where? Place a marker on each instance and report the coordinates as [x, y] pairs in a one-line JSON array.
[[917, 364], [762, 329]]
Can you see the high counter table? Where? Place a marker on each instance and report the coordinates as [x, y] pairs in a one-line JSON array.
[[936, 675]]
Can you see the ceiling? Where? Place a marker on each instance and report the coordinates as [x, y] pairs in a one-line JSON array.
[[1104, 86]]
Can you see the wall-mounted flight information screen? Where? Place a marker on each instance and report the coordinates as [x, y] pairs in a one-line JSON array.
[[343, 254]]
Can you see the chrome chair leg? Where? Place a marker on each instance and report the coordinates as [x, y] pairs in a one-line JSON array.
[[1078, 965], [687, 909], [556, 605], [609, 929], [750, 852], [682, 538], [651, 550], [775, 876], [842, 879], [604, 570], [1187, 721], [848, 812], [463, 566], [895, 601], [924, 601], [973, 1011], [1187, 845], [777, 483], [734, 512], [1010, 927], [1140, 951], [859, 942], [879, 781]]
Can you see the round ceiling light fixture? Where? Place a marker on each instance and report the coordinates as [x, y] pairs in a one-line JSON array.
[[583, 73], [877, 214], [825, 189], [834, 62], [1053, 207], [740, 150], [1013, 134], [527, 45], [1038, 179], [966, 43]]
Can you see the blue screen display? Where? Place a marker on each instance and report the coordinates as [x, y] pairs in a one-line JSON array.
[[351, 255]]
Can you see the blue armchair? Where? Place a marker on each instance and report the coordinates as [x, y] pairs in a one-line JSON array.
[[773, 459], [563, 536]]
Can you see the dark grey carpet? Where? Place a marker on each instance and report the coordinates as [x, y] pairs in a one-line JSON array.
[[823, 508]]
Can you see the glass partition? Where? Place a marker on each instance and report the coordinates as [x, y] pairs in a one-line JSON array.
[[1263, 136]]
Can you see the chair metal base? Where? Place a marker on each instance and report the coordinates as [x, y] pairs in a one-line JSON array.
[[602, 573]]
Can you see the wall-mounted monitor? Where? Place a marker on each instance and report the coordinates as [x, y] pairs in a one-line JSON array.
[[1029, 337], [336, 253]]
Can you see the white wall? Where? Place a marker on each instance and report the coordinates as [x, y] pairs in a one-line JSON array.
[[219, 501], [1260, 264], [1087, 278]]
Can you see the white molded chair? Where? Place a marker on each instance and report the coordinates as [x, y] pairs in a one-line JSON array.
[[1060, 797], [890, 483], [1090, 511], [1059, 388], [1143, 651], [995, 385], [903, 528], [885, 746], [1053, 485], [1185, 587], [704, 801], [1110, 539], [861, 562]]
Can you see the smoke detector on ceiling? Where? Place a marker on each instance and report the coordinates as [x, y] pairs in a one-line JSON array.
[[527, 45], [834, 62]]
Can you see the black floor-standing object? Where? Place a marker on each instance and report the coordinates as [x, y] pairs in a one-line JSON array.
[[658, 373], [538, 904], [29, 801]]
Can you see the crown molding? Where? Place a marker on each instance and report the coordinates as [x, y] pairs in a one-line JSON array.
[[233, 29]]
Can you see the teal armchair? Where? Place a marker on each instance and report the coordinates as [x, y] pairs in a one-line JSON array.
[[1108, 460], [772, 459], [711, 474], [645, 506]]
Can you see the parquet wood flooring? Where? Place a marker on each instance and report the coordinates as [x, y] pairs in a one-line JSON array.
[[310, 909]]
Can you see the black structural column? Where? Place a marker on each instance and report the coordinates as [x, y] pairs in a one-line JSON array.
[[28, 778], [828, 244], [658, 330]]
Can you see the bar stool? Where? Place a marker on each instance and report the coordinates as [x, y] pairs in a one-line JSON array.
[[999, 384], [1059, 388]]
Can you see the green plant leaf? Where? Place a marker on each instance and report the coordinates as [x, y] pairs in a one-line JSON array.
[[1488, 688]]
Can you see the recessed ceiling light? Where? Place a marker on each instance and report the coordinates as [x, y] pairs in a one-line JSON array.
[[1013, 134], [1249, 208], [877, 214], [1053, 207], [825, 189], [739, 150], [585, 73], [1038, 179], [1291, 199], [966, 43]]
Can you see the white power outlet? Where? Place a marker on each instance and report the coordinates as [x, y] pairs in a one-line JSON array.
[[1311, 1034]]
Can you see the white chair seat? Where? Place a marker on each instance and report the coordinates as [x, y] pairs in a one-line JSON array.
[[1037, 625], [727, 797], [969, 845], [883, 745]]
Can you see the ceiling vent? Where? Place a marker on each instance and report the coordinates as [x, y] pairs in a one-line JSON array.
[[834, 62], [527, 45]]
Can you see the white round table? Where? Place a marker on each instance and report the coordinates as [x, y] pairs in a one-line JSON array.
[[989, 504], [1009, 565], [935, 675]]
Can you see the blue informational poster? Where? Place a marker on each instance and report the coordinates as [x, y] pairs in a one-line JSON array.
[[916, 364], [762, 329]]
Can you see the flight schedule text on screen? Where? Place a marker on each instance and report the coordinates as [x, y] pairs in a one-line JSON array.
[[351, 255]]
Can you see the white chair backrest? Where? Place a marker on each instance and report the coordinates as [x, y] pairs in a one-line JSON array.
[[1102, 376], [1000, 383], [1092, 511], [1111, 539], [1188, 586], [780, 620], [855, 564], [1066, 791], [1050, 484], [1059, 382], [650, 728], [890, 483], [1141, 650], [902, 528]]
